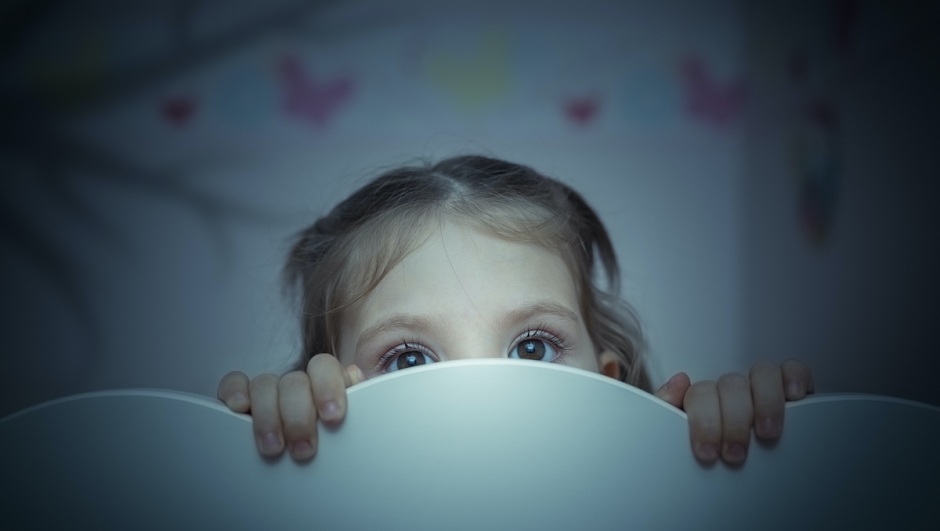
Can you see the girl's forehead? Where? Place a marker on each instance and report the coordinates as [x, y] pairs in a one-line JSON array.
[[480, 264], [460, 274]]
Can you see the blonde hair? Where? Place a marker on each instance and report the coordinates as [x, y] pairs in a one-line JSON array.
[[342, 257]]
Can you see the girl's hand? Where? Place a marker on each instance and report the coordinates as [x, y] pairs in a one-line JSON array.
[[286, 408], [721, 413]]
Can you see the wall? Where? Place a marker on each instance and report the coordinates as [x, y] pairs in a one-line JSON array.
[[160, 156], [840, 196]]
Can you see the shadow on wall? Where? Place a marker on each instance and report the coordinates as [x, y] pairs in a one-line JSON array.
[[841, 193]]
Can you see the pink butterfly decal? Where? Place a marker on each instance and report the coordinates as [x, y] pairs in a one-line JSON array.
[[308, 99], [708, 101], [582, 110], [178, 110]]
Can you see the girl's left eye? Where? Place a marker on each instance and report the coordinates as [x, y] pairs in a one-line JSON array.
[[404, 356], [533, 347], [408, 359]]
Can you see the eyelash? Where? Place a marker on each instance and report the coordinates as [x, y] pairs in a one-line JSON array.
[[403, 345], [558, 341], [411, 344]]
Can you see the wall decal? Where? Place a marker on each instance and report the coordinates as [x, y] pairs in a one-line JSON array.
[[706, 99], [309, 99], [815, 149], [813, 140], [476, 79], [582, 110], [178, 110]]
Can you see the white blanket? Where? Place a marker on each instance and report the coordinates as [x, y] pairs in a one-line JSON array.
[[466, 445]]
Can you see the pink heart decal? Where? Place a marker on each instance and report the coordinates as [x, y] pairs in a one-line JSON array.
[[178, 110], [582, 110]]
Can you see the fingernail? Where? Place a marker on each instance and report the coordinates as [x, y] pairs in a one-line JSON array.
[[270, 442], [736, 452], [707, 452], [239, 398], [768, 428], [330, 410], [670, 382], [301, 447]]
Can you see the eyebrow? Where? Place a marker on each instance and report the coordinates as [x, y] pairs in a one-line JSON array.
[[426, 324]]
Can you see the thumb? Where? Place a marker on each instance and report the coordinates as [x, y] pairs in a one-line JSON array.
[[673, 391]]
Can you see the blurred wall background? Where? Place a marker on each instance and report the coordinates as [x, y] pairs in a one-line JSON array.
[[841, 192], [764, 169]]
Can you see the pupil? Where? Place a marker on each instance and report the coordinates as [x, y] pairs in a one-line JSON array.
[[531, 350], [410, 359]]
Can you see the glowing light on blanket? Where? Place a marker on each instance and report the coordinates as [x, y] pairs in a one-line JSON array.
[[479, 444]]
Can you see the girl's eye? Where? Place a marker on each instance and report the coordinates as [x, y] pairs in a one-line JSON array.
[[407, 359], [534, 348]]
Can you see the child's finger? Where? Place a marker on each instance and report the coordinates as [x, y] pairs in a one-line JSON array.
[[328, 380], [233, 390], [298, 416], [737, 415], [266, 420], [702, 406], [767, 393], [797, 380], [673, 391], [354, 375]]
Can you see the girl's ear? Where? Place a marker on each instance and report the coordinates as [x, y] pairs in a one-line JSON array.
[[609, 364]]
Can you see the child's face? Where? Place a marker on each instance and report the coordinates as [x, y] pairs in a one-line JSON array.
[[465, 294]]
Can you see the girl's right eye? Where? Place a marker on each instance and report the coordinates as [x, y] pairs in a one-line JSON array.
[[405, 357]]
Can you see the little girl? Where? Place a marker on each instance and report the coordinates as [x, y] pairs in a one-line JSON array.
[[475, 257]]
